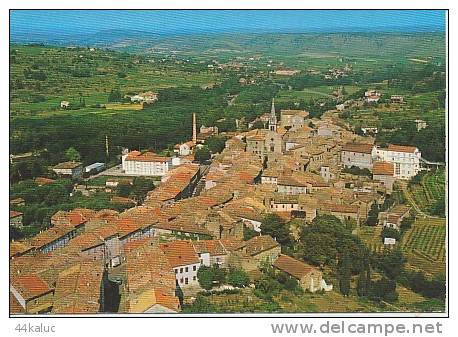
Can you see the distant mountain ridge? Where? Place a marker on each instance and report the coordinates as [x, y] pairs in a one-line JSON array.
[[350, 43]]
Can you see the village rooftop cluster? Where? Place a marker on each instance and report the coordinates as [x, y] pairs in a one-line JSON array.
[[149, 255]]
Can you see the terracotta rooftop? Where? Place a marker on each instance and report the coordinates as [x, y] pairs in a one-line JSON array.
[[180, 253], [383, 168], [214, 247], [68, 165], [14, 214], [290, 181], [341, 208], [402, 148], [50, 235], [259, 244], [43, 181], [293, 267], [78, 288], [18, 248], [150, 280], [146, 157], [358, 148], [301, 113], [30, 286]]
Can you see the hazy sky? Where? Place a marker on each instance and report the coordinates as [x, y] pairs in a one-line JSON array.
[[173, 21]]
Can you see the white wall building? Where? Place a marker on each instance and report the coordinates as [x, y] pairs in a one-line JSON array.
[[406, 159], [145, 164]]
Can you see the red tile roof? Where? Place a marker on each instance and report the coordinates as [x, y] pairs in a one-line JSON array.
[[293, 267], [358, 148], [146, 157], [341, 208], [180, 253], [214, 247], [30, 286], [14, 214], [43, 181], [402, 148], [383, 168], [259, 244]]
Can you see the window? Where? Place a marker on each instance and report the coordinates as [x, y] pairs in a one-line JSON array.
[[181, 270], [186, 281], [186, 269], [176, 271], [194, 268], [193, 278], [181, 280]]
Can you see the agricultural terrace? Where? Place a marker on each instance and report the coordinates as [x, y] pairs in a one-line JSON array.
[[424, 245], [429, 190], [371, 236]]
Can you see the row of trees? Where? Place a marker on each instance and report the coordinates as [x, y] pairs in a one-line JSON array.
[[137, 190], [215, 276]]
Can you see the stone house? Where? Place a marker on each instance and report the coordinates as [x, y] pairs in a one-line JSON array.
[[359, 155], [70, 169], [184, 260], [250, 255], [384, 172], [16, 219], [309, 278]]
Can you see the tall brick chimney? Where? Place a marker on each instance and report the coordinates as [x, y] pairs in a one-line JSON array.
[[194, 128]]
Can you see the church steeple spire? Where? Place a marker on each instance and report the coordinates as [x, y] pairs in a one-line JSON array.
[[273, 117]]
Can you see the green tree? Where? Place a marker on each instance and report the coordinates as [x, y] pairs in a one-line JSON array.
[[114, 96], [200, 305], [383, 289], [123, 189], [205, 277], [140, 188], [274, 226], [249, 233], [390, 233], [210, 276], [258, 125], [364, 279], [72, 154], [392, 263], [216, 144], [238, 278], [202, 155], [344, 270]]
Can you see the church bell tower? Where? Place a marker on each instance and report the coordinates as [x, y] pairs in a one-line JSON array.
[[273, 117]]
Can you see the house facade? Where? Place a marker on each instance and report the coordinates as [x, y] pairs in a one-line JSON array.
[[406, 159], [70, 169], [145, 164], [384, 172], [309, 278], [184, 260], [359, 155]]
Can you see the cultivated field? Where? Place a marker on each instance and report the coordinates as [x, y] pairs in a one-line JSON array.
[[370, 235], [430, 189], [424, 245]]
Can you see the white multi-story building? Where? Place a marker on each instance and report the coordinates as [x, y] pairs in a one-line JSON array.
[[145, 164], [406, 159], [184, 260]]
